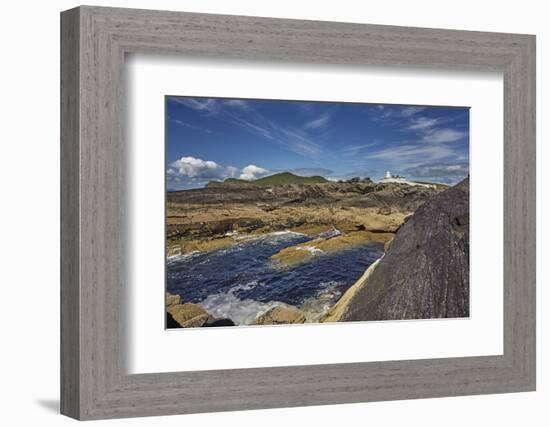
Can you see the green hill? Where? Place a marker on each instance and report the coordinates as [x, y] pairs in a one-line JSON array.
[[283, 178], [236, 181], [289, 178]]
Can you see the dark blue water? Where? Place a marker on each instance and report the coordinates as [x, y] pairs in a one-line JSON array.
[[241, 282]]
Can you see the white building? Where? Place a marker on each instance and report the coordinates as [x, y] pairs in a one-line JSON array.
[[388, 177]]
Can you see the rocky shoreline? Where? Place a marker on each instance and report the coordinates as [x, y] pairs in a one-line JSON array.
[[414, 224], [211, 218], [180, 314]]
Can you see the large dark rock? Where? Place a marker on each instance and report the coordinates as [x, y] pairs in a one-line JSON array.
[[425, 273], [218, 322]]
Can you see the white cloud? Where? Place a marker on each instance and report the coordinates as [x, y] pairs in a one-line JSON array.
[[353, 150], [443, 135], [208, 105], [237, 103], [410, 111], [292, 139], [190, 126], [393, 112], [192, 167], [319, 122], [444, 172], [242, 113], [251, 172], [412, 152], [422, 123]]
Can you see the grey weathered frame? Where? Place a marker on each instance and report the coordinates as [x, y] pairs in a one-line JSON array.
[[94, 41]]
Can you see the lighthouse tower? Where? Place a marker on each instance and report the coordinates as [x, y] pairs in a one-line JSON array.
[[388, 175]]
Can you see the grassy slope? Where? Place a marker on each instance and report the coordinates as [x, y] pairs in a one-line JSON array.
[[289, 178]]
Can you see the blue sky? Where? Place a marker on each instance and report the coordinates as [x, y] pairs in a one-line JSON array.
[[215, 138]]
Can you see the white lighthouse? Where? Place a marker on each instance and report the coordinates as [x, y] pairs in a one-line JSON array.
[[389, 178]]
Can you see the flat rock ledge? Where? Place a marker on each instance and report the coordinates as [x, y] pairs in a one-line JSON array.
[[281, 316], [304, 252]]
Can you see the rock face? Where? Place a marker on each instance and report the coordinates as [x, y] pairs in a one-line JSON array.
[[219, 322], [188, 315], [280, 315], [337, 311], [172, 299], [425, 273]]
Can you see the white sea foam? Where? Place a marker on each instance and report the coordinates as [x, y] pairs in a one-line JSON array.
[[246, 286], [244, 312], [241, 312], [285, 233], [312, 249], [181, 257], [315, 307]]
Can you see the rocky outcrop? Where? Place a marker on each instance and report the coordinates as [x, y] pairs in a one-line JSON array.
[[303, 252], [336, 312], [219, 322], [365, 193], [172, 299], [189, 315], [425, 272], [280, 315], [202, 219]]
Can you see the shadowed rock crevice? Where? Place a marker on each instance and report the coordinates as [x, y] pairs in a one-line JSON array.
[[425, 273]]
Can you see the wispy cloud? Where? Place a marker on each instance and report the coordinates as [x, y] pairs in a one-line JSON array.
[[319, 122], [443, 135], [237, 103], [243, 114], [442, 172], [422, 123], [430, 130], [292, 138], [190, 126], [386, 112], [408, 152], [207, 105], [353, 150], [410, 111]]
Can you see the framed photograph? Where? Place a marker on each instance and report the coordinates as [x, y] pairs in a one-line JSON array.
[[294, 233], [277, 213]]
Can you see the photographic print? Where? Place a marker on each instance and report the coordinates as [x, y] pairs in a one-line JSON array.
[[291, 212]]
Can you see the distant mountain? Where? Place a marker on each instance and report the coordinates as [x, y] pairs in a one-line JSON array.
[[289, 178]]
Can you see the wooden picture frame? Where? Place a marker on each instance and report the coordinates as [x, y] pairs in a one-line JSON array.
[[94, 382]]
